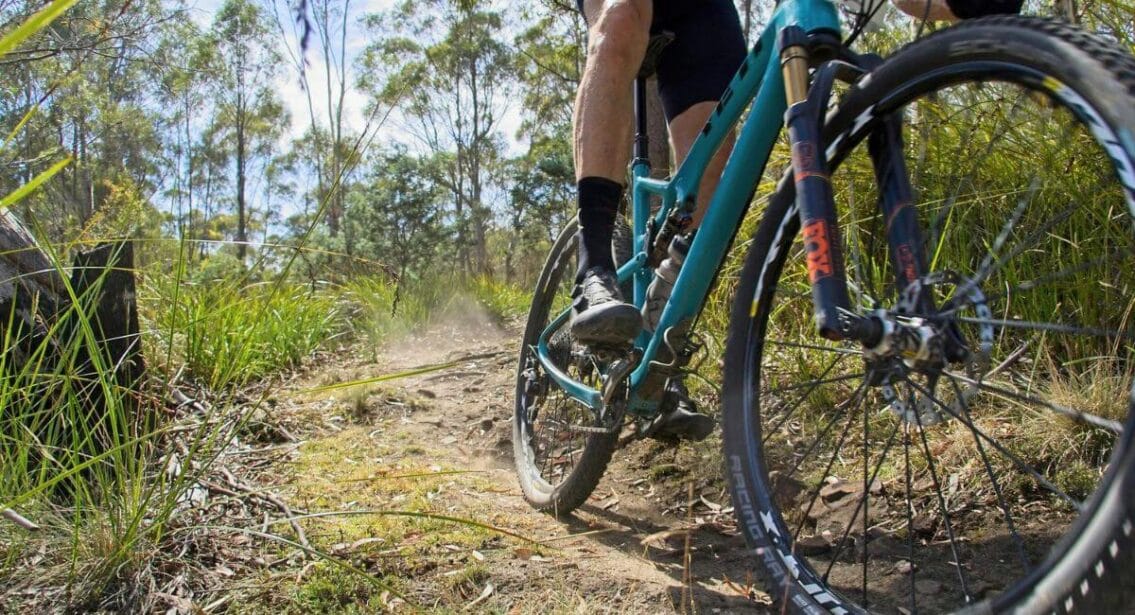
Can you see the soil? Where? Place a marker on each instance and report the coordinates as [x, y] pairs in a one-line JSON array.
[[657, 535], [625, 551]]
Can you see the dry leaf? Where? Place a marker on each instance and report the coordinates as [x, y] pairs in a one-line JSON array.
[[488, 591], [712, 506]]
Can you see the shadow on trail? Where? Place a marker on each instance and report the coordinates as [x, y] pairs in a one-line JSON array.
[[721, 572]]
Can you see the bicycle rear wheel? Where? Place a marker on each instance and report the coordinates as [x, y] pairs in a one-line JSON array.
[[560, 447], [1001, 481]]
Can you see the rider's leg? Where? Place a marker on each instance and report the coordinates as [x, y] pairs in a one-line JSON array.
[[684, 130], [953, 10], [693, 72], [617, 38]]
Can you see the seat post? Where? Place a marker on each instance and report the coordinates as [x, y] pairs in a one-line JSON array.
[[641, 140]]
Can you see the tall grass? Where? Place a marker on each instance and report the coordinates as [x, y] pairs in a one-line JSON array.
[[504, 300], [380, 311], [226, 333], [77, 447]]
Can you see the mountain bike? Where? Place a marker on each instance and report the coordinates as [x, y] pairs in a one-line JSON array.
[[927, 378]]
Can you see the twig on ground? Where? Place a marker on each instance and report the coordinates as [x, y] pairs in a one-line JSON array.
[[271, 498], [461, 374], [480, 355], [181, 400], [19, 519]]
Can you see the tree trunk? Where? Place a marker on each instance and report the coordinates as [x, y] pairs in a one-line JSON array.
[[1067, 10], [241, 207], [45, 336]]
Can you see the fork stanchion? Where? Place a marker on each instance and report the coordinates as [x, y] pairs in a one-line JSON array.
[[818, 220]]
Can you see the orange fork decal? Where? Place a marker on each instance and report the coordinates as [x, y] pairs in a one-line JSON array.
[[817, 243]]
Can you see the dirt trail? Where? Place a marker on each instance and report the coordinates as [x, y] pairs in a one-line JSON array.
[[622, 552]]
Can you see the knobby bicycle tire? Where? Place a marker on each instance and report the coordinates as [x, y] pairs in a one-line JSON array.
[[862, 489], [556, 467]]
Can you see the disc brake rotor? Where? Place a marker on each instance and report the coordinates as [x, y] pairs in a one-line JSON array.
[[925, 405]]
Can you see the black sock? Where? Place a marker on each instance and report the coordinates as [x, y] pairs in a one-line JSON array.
[[598, 205]]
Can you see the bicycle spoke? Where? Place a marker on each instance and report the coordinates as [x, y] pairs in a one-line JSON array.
[[1002, 128], [1044, 482], [958, 303], [815, 494], [837, 350], [834, 380], [1004, 506], [1028, 242], [943, 506], [1050, 327], [804, 397], [1076, 415], [909, 514], [547, 446], [859, 505], [987, 264], [816, 441], [866, 498]]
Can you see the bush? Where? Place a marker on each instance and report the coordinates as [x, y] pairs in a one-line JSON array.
[[227, 333]]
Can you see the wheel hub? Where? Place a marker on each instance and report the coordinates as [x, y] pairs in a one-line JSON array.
[[921, 350]]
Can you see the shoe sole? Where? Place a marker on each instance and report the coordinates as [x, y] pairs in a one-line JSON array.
[[693, 427], [612, 323]]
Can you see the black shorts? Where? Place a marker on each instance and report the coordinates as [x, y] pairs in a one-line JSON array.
[[979, 8], [708, 48]]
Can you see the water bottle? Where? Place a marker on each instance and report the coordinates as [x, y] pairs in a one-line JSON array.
[[658, 293]]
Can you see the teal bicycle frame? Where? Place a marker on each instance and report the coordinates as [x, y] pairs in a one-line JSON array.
[[759, 80]]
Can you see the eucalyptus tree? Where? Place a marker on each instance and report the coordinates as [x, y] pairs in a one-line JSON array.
[[397, 214], [187, 55], [449, 68], [249, 115], [84, 87], [322, 45]]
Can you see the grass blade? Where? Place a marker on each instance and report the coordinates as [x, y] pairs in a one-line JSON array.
[[19, 193], [35, 23]]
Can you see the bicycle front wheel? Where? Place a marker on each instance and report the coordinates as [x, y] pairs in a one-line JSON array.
[[1001, 480]]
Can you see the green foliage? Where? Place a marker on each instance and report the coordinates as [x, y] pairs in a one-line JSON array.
[[92, 484], [449, 71], [504, 301], [329, 589], [396, 213], [227, 332], [159, 114], [379, 312]]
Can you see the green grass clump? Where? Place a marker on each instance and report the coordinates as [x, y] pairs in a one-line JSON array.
[[380, 309], [330, 589], [503, 300], [85, 459], [227, 333]]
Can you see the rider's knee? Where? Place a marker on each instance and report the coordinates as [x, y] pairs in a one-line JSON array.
[[620, 33]]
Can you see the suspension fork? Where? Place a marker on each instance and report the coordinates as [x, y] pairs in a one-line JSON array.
[[823, 244], [816, 206]]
